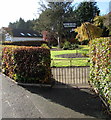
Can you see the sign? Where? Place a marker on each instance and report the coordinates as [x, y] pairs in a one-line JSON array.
[[69, 25]]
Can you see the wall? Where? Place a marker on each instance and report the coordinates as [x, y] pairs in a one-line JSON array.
[[23, 39]]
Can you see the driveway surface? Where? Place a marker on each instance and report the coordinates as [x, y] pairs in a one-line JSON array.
[[36, 102]]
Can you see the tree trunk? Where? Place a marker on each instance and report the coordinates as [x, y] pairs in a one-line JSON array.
[[58, 40]]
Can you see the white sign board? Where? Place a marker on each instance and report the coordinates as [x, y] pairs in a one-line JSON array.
[[69, 25]]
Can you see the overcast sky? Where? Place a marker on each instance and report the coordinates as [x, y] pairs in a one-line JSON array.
[[12, 10]]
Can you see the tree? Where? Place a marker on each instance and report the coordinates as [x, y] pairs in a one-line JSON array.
[[99, 22], [86, 11], [21, 24], [53, 17], [88, 31], [18, 24], [107, 22], [29, 24], [12, 25], [44, 21]]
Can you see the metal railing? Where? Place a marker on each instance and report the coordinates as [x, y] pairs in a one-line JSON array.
[[70, 62], [71, 75]]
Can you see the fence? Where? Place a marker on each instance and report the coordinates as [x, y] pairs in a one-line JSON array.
[[71, 75], [70, 62]]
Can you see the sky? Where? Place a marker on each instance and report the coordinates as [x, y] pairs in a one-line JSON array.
[[12, 10]]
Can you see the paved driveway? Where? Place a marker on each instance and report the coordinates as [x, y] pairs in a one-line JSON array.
[[35, 102]]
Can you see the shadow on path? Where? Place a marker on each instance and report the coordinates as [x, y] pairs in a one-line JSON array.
[[79, 100]]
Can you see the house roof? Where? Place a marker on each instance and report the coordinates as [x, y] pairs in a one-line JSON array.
[[24, 33]]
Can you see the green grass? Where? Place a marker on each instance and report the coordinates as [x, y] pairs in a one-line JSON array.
[[68, 62], [82, 49], [71, 61]]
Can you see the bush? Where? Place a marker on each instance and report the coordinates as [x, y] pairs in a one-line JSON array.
[[27, 64], [73, 46], [100, 69], [68, 46], [85, 42], [26, 43], [45, 46]]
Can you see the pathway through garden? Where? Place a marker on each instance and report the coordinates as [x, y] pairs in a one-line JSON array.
[[36, 102]]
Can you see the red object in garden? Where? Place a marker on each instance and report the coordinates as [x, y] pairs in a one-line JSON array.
[[45, 37]]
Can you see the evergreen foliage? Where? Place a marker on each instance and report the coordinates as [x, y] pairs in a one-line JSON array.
[[21, 24], [100, 67], [99, 22], [86, 11], [68, 46]]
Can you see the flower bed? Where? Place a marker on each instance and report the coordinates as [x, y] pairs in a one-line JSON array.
[[100, 68], [27, 64]]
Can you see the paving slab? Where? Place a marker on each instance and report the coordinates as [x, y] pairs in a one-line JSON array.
[[58, 102]]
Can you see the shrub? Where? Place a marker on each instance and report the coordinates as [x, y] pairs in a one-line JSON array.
[[100, 69], [84, 42], [27, 64], [73, 46], [45, 46], [26, 43], [68, 46]]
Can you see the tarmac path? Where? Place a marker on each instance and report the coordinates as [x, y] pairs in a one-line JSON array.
[[36, 102]]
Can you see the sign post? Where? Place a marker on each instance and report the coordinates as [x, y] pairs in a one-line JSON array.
[[69, 25]]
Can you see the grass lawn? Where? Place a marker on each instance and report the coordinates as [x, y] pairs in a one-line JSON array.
[[84, 49], [72, 62], [81, 49]]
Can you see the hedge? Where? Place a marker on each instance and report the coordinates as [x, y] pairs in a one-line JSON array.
[[26, 43], [27, 64], [100, 69]]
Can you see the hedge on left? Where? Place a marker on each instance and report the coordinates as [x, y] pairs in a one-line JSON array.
[[27, 64]]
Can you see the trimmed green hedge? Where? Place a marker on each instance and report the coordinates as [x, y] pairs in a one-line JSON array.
[[100, 69], [26, 43], [27, 64]]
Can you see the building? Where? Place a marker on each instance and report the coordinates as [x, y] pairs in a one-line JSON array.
[[15, 35]]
